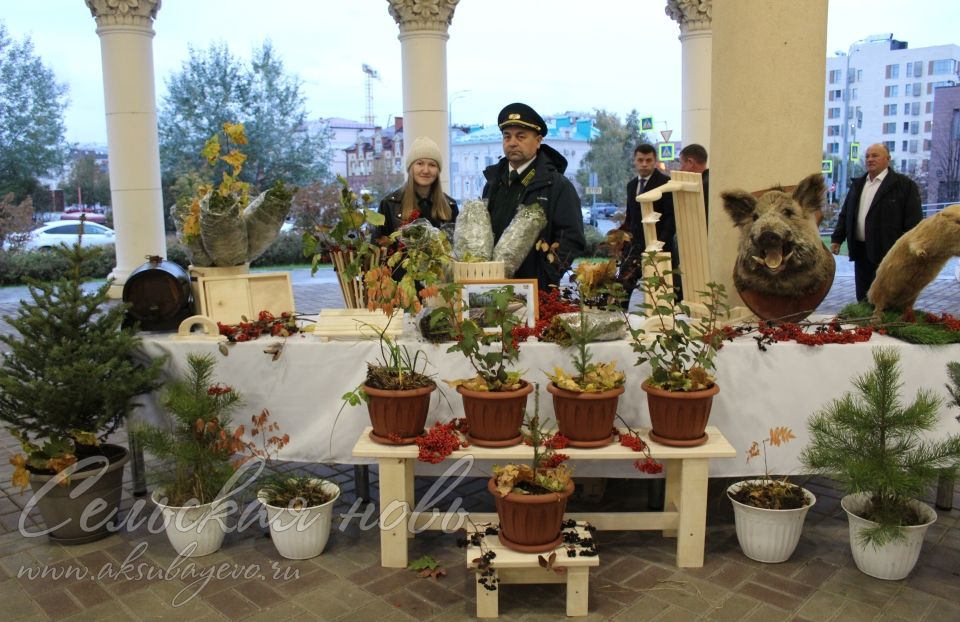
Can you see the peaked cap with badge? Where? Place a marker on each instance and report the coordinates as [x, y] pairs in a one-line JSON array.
[[521, 115]]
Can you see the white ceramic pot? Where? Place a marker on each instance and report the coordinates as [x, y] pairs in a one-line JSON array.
[[893, 560], [301, 534], [768, 536], [194, 531]]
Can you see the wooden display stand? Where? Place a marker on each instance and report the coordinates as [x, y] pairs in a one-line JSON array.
[[228, 299], [684, 514], [511, 567]]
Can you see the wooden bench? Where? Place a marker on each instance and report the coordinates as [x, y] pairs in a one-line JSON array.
[[511, 567], [684, 514]]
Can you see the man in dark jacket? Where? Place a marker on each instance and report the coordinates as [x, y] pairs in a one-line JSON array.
[[880, 207], [532, 172], [648, 177]]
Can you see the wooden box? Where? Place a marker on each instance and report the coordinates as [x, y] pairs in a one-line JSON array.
[[357, 324], [478, 271], [229, 298]]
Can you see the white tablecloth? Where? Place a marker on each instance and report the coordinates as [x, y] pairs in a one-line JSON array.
[[782, 386]]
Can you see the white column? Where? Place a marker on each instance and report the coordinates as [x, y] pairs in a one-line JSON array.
[[696, 38], [423, 48], [126, 33], [769, 70]]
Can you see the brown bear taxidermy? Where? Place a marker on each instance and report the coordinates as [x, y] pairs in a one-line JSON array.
[[915, 260]]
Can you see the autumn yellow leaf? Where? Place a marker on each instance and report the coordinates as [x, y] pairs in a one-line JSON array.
[[211, 149], [236, 133], [236, 160]]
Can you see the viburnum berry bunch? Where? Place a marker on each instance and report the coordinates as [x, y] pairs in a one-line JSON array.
[[437, 443], [631, 439], [266, 323]]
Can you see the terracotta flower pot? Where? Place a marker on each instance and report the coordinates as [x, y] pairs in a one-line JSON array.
[[585, 418], [495, 417], [400, 413], [679, 418], [531, 523]]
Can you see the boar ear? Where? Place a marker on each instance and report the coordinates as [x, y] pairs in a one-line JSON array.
[[810, 193], [740, 205]]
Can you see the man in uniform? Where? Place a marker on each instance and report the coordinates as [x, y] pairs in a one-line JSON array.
[[532, 172]]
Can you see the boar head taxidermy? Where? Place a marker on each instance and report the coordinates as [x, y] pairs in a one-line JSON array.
[[780, 252]]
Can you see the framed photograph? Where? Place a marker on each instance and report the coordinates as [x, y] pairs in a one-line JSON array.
[[475, 295]]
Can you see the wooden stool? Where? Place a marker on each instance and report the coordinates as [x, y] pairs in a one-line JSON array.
[[510, 567]]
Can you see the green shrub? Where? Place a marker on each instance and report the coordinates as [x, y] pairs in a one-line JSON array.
[[15, 267], [594, 238], [286, 249]]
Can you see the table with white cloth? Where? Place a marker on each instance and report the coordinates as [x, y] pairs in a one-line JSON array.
[[782, 386]]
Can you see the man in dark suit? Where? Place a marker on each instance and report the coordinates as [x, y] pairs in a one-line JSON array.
[[648, 177], [693, 159], [880, 207]]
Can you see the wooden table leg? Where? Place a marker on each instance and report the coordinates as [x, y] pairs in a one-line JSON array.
[[671, 494], [693, 512], [410, 493], [394, 512], [578, 588], [488, 605]]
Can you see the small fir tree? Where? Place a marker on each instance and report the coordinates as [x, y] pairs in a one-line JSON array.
[[874, 444], [69, 377], [200, 448]]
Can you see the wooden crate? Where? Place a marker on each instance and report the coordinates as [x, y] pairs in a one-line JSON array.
[[478, 271], [229, 298], [357, 324]]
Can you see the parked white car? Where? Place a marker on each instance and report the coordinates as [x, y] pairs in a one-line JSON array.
[[53, 233]]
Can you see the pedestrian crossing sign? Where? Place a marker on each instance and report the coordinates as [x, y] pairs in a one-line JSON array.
[[854, 152], [826, 166], [666, 152], [646, 123]]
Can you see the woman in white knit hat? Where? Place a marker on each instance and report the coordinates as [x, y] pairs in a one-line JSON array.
[[421, 196]]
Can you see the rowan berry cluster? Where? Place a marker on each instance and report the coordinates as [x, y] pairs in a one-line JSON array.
[[437, 443], [266, 323]]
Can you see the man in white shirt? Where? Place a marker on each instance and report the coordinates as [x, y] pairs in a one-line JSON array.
[[880, 207]]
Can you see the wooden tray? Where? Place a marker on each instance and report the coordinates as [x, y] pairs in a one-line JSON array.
[[228, 299]]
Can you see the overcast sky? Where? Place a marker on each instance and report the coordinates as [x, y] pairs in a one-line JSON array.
[[555, 55]]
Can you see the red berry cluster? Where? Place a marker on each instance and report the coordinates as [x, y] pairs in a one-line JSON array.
[[648, 465], [554, 460], [632, 440], [830, 333], [439, 442], [266, 323], [219, 389], [550, 303], [557, 441], [949, 321]]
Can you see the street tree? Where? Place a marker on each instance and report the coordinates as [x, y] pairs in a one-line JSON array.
[[945, 167], [87, 181], [214, 87], [611, 155], [32, 130]]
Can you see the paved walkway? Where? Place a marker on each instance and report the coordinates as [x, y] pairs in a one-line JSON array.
[[637, 578]]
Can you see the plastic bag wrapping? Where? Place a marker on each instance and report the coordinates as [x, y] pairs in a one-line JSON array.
[[264, 217], [609, 325], [193, 243], [223, 232], [418, 233], [473, 235], [519, 237]]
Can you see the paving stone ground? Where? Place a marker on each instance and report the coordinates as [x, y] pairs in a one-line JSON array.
[[637, 578]]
